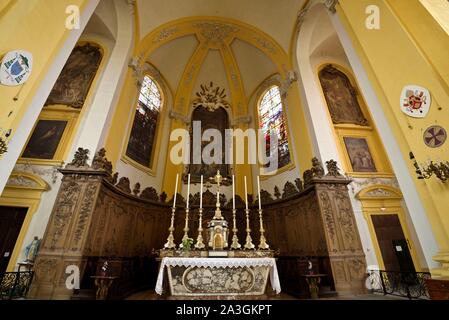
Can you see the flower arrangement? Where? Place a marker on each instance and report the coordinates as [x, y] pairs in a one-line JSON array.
[[187, 244]]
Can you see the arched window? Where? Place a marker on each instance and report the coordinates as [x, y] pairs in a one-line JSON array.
[[143, 132], [272, 119]]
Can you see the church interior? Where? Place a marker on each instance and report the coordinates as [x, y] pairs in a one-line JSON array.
[[108, 108]]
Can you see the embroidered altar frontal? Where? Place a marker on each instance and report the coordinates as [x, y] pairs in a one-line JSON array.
[[218, 276]]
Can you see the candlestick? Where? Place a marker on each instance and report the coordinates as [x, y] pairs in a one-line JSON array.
[[263, 245], [233, 192], [249, 241], [176, 190], [170, 244], [186, 226], [235, 240], [258, 191], [199, 240], [188, 191], [246, 195], [201, 193]]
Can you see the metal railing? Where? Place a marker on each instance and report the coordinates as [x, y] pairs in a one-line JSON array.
[[14, 285], [411, 285]]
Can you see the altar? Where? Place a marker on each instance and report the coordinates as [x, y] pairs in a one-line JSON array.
[[215, 266], [218, 276]]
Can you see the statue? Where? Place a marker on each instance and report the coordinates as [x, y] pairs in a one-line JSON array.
[[317, 168], [332, 168], [104, 269], [80, 158], [32, 249]]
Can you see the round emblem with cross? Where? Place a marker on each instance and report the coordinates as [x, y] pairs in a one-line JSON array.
[[435, 136]]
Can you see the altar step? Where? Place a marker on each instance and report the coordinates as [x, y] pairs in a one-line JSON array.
[[326, 292], [84, 294]]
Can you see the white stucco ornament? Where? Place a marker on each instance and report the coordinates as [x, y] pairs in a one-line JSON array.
[[16, 67], [415, 101]]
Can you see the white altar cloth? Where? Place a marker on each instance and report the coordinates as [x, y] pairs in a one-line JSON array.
[[220, 263]]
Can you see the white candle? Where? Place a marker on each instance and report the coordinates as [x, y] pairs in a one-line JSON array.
[[188, 190], [246, 195], [258, 191], [233, 193], [176, 191], [201, 193]]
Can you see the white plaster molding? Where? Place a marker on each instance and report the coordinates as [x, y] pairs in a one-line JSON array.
[[330, 5], [178, 116]]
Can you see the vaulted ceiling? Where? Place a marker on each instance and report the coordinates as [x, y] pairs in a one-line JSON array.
[[236, 44]]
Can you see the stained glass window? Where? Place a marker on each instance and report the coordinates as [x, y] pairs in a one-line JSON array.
[[142, 137], [271, 119]]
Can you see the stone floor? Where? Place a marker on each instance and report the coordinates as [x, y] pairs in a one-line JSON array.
[[151, 295]]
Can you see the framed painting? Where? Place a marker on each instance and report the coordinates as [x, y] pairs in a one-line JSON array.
[[45, 139], [341, 97], [76, 77], [359, 155]]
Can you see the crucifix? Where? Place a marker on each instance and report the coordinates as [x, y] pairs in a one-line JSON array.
[[218, 179]]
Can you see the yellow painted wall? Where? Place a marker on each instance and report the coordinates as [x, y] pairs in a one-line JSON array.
[[37, 26], [394, 58]]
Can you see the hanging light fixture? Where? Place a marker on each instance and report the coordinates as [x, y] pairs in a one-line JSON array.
[[439, 169]]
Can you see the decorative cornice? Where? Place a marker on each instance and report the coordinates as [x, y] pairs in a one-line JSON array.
[[140, 69], [214, 31], [241, 120], [329, 4], [178, 116]]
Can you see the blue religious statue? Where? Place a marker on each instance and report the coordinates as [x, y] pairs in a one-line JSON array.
[[31, 250]]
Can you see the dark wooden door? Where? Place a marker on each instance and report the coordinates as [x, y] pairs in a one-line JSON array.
[[11, 220], [392, 242]]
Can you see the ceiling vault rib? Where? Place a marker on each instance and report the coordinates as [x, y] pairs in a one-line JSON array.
[[239, 103], [187, 81]]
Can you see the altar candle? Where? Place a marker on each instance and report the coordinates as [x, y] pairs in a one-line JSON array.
[[233, 193], [201, 193], [258, 191], [176, 191], [246, 195], [188, 190]]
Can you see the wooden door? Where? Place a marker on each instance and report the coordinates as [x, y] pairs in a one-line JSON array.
[[11, 220], [392, 243]]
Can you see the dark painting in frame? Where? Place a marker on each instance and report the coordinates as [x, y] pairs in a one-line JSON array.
[[45, 139], [359, 155]]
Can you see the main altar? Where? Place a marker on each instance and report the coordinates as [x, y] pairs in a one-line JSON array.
[[216, 266]]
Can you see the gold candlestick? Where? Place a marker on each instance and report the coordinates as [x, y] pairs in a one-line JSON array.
[[235, 240], [199, 240], [186, 228], [170, 244], [263, 245], [249, 241]]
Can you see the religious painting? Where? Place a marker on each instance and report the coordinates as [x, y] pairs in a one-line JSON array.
[[341, 97], [143, 131], [272, 121], [209, 119], [360, 155], [45, 139], [76, 77]]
